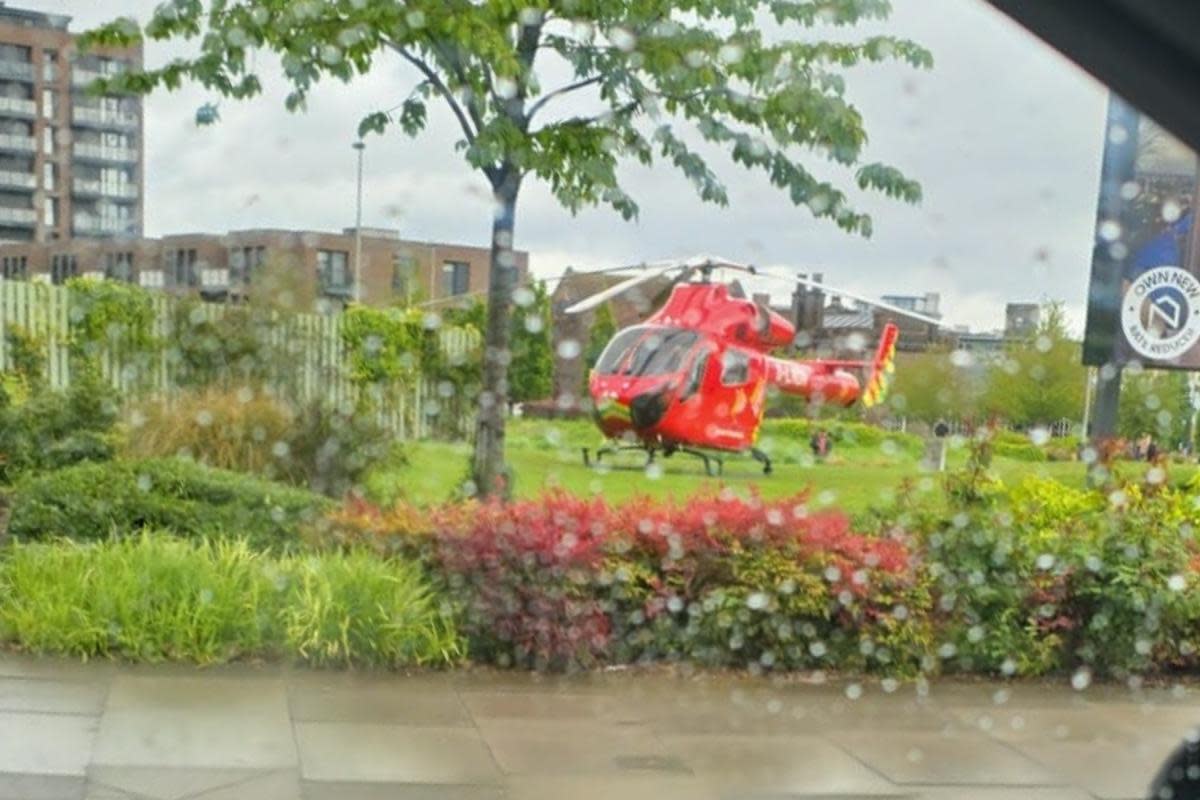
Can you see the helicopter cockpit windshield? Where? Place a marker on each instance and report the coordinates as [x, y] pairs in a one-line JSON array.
[[643, 351]]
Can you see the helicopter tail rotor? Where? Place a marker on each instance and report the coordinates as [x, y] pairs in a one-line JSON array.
[[882, 368]]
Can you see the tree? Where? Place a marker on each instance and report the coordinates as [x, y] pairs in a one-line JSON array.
[[648, 71], [531, 373], [603, 329], [1156, 402], [1039, 381], [940, 384]]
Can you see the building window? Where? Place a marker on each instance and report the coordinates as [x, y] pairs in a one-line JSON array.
[[47, 103], [404, 270], [119, 266], [50, 212], [456, 278], [49, 72], [48, 176], [333, 271], [14, 267], [181, 267], [62, 267], [48, 140], [244, 263]]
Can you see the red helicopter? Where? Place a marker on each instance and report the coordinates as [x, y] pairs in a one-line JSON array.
[[693, 377]]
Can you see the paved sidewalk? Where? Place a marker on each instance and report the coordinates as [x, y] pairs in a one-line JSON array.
[[103, 732]]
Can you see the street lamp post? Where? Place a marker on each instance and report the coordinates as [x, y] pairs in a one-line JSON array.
[[360, 146]]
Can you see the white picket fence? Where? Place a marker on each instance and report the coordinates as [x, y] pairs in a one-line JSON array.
[[317, 370]]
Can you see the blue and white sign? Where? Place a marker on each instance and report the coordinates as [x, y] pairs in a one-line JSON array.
[[1160, 313]]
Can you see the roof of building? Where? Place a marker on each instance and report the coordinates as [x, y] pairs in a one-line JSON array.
[[840, 317], [35, 18]]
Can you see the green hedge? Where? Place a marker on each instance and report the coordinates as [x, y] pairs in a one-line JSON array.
[[56, 429], [92, 501], [154, 598], [844, 434], [1024, 450]]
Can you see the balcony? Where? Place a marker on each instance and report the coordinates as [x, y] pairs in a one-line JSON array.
[[18, 107], [82, 187], [214, 280], [100, 152], [91, 225], [18, 217], [82, 78], [152, 279], [16, 70], [16, 143], [17, 180], [101, 118]]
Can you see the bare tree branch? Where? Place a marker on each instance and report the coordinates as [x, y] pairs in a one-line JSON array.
[[615, 113], [454, 65], [441, 88], [570, 87]]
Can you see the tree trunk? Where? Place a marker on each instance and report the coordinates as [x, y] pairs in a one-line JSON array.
[[489, 471]]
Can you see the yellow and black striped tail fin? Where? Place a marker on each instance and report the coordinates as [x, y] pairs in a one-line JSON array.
[[882, 370]]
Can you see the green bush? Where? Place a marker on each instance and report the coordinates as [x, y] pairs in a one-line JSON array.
[[1024, 450], [1040, 578], [54, 429], [93, 501], [155, 598], [1063, 448], [318, 448], [331, 451], [798, 432]]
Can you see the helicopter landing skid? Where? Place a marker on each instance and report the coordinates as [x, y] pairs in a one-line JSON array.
[[762, 458], [708, 460], [601, 452]]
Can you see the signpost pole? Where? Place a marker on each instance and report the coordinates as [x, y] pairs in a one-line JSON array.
[[1088, 377], [1107, 403]]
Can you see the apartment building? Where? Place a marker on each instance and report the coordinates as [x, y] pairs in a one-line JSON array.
[[71, 163], [315, 269]]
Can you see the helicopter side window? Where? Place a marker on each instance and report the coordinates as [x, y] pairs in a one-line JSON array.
[[661, 353], [615, 353], [695, 375], [735, 368]]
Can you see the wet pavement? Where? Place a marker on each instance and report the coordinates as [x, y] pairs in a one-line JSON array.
[[106, 732]]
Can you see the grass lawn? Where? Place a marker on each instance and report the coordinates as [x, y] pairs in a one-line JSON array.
[[547, 454]]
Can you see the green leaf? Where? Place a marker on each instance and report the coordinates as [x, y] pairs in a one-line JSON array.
[[375, 122]]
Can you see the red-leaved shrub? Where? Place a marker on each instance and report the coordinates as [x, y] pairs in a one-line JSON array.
[[560, 582]]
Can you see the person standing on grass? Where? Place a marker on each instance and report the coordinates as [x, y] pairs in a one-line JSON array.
[[819, 442]]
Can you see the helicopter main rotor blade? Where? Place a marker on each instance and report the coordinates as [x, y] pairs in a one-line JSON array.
[[650, 272], [833, 290]]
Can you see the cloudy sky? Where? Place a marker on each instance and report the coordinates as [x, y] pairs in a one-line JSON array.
[[1003, 133]]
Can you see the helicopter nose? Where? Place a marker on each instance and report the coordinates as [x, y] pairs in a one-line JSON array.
[[646, 410]]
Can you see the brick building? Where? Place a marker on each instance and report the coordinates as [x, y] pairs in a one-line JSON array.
[[831, 327], [71, 164], [315, 269]]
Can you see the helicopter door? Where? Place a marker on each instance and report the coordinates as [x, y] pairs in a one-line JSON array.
[[696, 372], [738, 396]]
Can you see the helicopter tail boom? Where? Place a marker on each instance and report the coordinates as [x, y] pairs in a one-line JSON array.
[[835, 382]]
